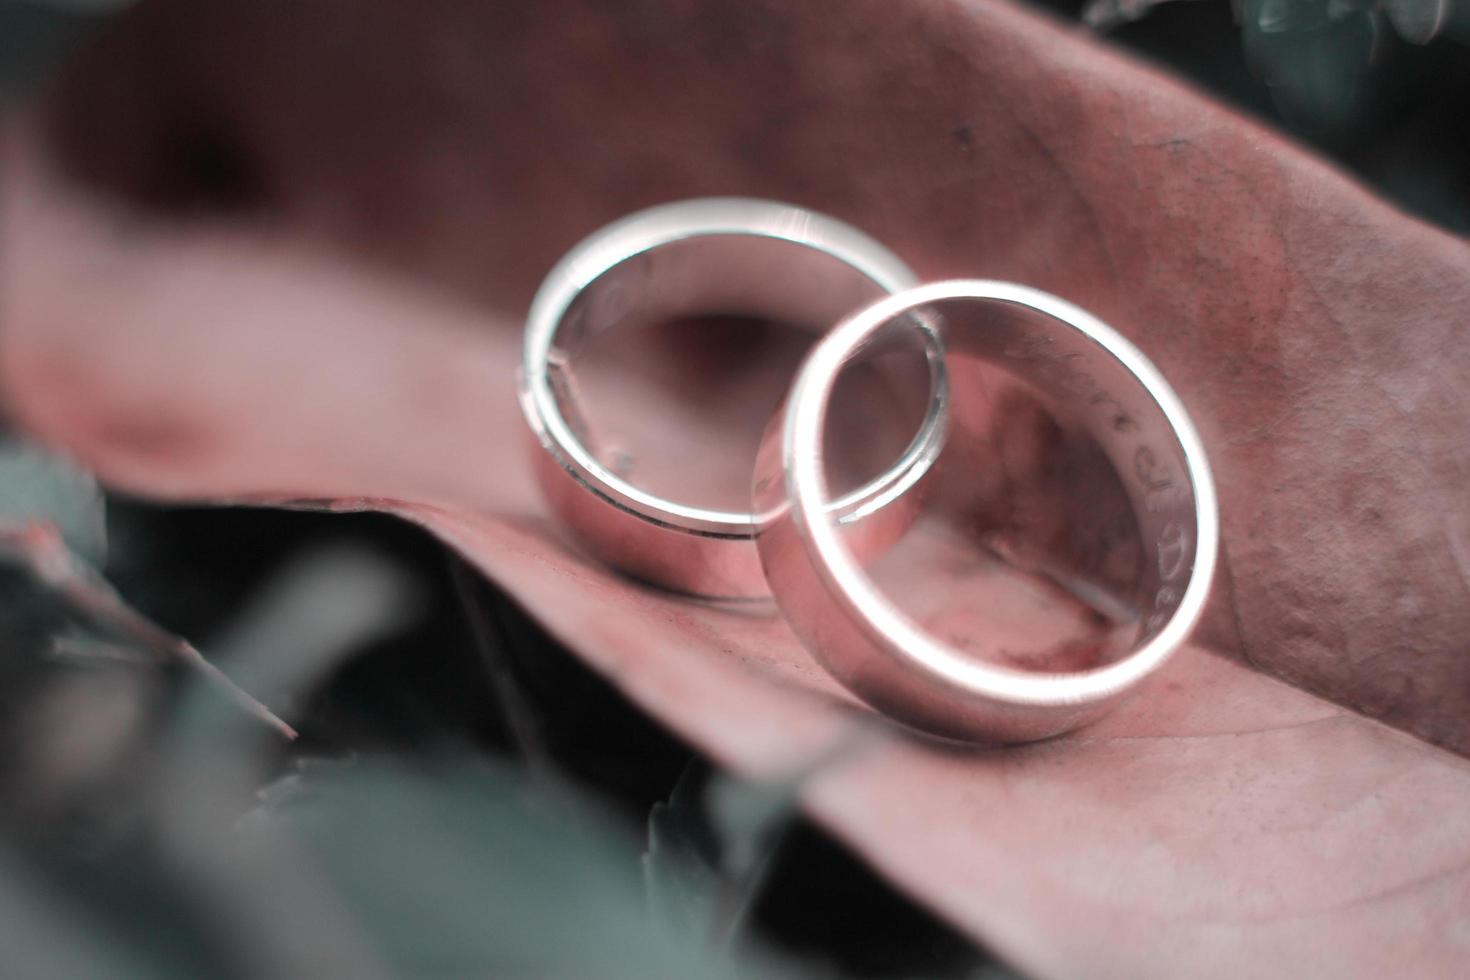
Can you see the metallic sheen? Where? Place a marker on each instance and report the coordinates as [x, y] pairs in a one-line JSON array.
[[1087, 370], [708, 256]]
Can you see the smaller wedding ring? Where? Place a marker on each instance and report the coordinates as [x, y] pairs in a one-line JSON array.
[[724, 256]]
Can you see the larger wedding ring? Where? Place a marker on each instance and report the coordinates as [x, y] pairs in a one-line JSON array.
[[710, 256], [1087, 371]]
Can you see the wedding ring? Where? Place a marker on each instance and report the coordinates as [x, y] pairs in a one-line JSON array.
[[710, 256], [1085, 370]]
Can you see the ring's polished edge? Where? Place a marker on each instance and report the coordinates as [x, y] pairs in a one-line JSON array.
[[717, 569], [885, 657]]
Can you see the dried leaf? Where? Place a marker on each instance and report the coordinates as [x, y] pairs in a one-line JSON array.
[[1224, 822]]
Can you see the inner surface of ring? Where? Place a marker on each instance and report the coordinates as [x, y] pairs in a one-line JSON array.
[[1059, 465], [695, 287], [726, 274]]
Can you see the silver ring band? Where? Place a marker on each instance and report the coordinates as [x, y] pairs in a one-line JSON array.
[[707, 256], [1088, 370]]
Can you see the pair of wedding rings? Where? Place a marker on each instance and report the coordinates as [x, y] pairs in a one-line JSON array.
[[808, 550]]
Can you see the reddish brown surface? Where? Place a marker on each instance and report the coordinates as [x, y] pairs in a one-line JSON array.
[[1226, 822]]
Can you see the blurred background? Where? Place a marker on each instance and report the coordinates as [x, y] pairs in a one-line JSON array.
[[514, 815]]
